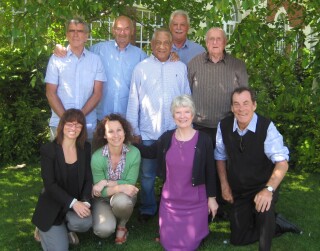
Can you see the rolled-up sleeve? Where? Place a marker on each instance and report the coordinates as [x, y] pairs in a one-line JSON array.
[[274, 147], [220, 150]]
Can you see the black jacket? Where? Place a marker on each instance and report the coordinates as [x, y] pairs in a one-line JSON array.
[[203, 172], [54, 199]]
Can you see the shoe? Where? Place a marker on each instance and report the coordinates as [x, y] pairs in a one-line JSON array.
[[123, 239], [73, 238], [284, 226], [143, 218], [36, 235]]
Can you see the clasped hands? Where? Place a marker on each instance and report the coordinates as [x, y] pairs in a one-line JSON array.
[[128, 189]]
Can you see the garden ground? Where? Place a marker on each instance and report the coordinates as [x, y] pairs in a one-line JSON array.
[[299, 202]]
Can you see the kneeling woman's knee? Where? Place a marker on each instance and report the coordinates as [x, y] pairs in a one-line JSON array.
[[103, 231], [121, 201]]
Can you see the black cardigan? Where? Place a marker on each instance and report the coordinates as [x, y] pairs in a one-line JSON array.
[[203, 171]]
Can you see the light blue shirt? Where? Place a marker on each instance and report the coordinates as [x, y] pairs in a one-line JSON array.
[[75, 79], [188, 51], [118, 66], [154, 85], [274, 148]]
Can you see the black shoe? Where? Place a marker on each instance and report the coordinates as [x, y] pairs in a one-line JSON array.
[[143, 218], [283, 226]]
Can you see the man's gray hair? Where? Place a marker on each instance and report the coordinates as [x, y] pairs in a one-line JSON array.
[[220, 29], [179, 13], [161, 30], [76, 21]]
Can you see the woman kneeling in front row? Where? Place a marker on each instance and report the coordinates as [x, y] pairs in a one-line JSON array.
[[64, 205], [115, 168]]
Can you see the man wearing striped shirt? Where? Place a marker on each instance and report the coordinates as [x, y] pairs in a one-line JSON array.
[[156, 81], [213, 75]]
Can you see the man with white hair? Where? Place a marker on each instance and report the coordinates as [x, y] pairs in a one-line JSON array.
[[179, 24]]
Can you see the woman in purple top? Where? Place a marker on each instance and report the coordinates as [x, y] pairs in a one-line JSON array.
[[185, 162]]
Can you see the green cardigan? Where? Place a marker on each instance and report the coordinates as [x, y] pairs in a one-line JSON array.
[[99, 165]]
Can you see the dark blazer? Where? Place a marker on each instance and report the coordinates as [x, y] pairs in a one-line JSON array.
[[54, 199], [203, 171]]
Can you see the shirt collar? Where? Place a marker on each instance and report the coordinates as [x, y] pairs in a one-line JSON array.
[[186, 44], [223, 60], [251, 127], [69, 52], [117, 46], [105, 150], [156, 59]]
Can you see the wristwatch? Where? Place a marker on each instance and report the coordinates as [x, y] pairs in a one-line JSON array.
[[269, 188]]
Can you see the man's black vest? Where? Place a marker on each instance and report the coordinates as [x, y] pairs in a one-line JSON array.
[[248, 167]]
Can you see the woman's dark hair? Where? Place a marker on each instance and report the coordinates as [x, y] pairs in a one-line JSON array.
[[99, 135], [73, 115]]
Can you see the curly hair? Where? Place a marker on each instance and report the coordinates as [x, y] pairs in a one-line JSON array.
[[72, 115], [99, 139]]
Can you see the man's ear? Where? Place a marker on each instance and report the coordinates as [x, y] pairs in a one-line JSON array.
[[255, 105]]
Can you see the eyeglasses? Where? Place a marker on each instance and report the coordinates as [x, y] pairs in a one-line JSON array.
[[76, 31], [75, 124], [241, 145]]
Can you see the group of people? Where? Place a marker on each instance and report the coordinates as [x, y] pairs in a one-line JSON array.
[[156, 116]]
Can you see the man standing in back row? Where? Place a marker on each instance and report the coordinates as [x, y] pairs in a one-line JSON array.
[[156, 81], [212, 77], [179, 25], [119, 58], [75, 81]]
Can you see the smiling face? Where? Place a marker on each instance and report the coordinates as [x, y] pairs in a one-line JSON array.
[[72, 130], [114, 133], [161, 45], [216, 42], [122, 31], [183, 116], [77, 35], [243, 108], [179, 28]]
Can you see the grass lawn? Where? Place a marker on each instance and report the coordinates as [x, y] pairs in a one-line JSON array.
[[299, 202]]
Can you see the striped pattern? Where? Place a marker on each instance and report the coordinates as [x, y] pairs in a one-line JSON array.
[[212, 84]]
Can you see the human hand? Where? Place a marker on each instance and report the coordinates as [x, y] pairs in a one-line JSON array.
[[174, 57], [60, 51], [97, 188], [213, 206], [137, 139], [263, 200], [227, 193], [82, 209], [129, 190]]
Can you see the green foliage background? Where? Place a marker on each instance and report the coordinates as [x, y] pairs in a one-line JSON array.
[[286, 83]]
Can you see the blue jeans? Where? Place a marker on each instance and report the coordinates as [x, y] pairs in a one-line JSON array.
[[147, 180]]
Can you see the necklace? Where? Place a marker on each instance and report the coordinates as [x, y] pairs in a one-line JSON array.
[[180, 143]]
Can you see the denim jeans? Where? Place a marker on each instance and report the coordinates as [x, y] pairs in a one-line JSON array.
[[147, 180]]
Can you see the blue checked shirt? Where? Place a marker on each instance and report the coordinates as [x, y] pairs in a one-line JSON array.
[[118, 66], [188, 51], [154, 85]]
